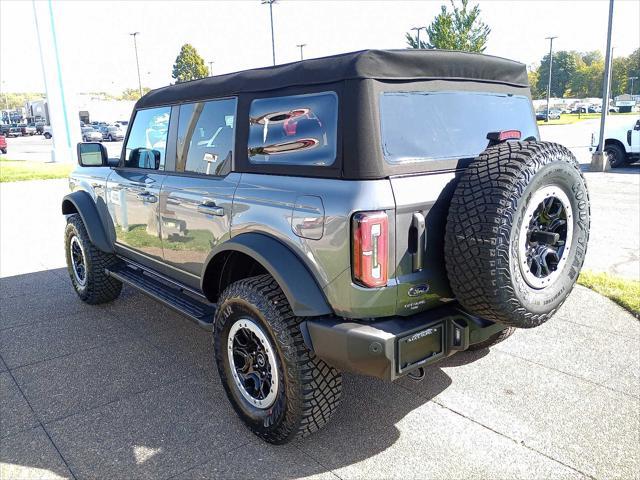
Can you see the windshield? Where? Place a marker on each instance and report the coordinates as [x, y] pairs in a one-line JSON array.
[[419, 126]]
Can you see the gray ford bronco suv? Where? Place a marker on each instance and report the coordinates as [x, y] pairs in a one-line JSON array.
[[372, 212]]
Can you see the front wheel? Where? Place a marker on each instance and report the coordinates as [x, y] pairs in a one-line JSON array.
[[279, 388], [616, 154], [87, 265]]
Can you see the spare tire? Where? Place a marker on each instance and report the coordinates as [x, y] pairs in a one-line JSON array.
[[517, 232]]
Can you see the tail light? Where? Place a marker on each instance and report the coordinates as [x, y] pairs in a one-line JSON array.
[[370, 248]]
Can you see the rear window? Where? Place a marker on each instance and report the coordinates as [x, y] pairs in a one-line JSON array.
[[419, 126], [294, 130]]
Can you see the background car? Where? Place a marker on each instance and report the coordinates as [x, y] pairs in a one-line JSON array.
[[3, 144], [47, 132], [14, 132], [112, 133], [90, 134], [39, 128], [553, 114]]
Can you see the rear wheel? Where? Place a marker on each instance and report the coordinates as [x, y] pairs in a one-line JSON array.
[[616, 154], [86, 265], [279, 388], [517, 232]]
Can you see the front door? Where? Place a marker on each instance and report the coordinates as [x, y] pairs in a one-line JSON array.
[[133, 189], [196, 203]]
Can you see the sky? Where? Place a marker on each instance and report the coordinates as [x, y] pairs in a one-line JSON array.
[[98, 52]]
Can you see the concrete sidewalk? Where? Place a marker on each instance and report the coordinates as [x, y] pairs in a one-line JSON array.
[[128, 390]]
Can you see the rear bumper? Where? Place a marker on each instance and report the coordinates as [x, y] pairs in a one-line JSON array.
[[393, 347]]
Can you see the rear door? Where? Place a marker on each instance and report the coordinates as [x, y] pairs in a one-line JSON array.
[[197, 196], [133, 189], [442, 131]]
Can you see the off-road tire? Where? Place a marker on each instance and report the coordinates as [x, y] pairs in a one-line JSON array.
[[309, 390], [484, 222], [616, 154], [99, 287], [493, 339]]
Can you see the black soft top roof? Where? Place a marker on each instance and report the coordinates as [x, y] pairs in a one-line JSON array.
[[398, 65]]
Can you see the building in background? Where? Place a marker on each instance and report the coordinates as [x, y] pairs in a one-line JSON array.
[[91, 107]]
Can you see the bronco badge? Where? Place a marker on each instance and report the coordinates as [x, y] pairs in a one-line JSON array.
[[418, 290]]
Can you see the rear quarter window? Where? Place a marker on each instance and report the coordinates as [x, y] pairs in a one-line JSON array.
[[294, 130], [422, 126]]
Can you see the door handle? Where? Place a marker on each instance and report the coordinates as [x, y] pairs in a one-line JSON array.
[[210, 208], [147, 197]]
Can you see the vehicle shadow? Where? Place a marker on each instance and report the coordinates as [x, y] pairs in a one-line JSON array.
[[134, 427]]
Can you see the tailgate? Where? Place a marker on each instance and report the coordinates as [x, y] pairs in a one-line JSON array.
[[422, 204]]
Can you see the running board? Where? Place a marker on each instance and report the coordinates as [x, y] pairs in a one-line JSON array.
[[171, 295]]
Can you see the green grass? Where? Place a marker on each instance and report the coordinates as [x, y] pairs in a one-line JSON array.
[[19, 170], [625, 293], [569, 118], [194, 240]]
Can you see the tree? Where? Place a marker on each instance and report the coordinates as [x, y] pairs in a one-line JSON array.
[[533, 83], [565, 65], [619, 76], [460, 29], [132, 93], [189, 65]]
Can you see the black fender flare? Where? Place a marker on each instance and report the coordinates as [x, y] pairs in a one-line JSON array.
[[300, 287], [82, 203]]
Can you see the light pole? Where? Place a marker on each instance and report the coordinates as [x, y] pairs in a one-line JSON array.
[[273, 42], [301, 46], [632, 79], [211, 68], [135, 47], [417, 29], [599, 160], [546, 117]]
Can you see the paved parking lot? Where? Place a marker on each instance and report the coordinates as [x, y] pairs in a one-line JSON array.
[[128, 389]]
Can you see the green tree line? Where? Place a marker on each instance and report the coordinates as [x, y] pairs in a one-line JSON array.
[[580, 74]]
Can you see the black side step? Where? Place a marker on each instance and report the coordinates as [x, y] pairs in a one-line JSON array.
[[199, 311]]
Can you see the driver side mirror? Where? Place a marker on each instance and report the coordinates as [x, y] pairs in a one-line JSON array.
[[92, 155]]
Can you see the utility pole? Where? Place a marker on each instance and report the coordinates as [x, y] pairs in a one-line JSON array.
[[135, 46], [546, 117], [417, 29], [632, 79], [301, 46], [598, 161], [273, 42], [211, 68]]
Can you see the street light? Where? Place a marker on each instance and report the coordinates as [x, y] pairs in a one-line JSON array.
[[273, 42], [417, 29], [632, 79], [211, 68], [546, 117], [135, 46], [301, 46]]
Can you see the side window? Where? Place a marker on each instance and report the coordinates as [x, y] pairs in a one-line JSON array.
[[147, 140], [294, 130], [206, 132]]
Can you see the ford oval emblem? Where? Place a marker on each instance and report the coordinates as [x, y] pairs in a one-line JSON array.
[[418, 290]]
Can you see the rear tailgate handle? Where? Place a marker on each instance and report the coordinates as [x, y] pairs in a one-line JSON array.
[[417, 224], [210, 208]]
